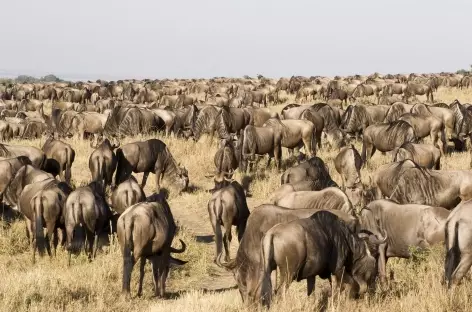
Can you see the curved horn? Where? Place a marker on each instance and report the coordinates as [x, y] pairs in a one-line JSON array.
[[181, 250], [377, 241]]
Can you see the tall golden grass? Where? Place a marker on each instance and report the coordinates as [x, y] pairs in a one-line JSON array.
[[50, 285]]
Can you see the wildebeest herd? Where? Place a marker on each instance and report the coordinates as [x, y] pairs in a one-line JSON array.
[[308, 227]]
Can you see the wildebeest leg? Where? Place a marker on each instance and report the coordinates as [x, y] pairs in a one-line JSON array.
[[90, 238], [310, 285], [227, 237], [462, 269], [382, 263], [55, 240], [141, 275], [145, 176], [50, 226], [30, 230]]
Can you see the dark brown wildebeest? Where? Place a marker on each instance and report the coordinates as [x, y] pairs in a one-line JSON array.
[[59, 158], [321, 245], [424, 155], [245, 267], [227, 157], [228, 207], [314, 169], [331, 198], [405, 182], [102, 162], [150, 156], [458, 244], [404, 226], [146, 231], [126, 194], [86, 211], [260, 141], [35, 155], [386, 137]]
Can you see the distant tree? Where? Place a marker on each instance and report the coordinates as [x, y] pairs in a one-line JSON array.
[[50, 78], [25, 79]]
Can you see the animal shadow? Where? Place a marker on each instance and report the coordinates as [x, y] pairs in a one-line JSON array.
[[205, 239]]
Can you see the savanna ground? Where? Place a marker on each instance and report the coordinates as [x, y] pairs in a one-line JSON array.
[[50, 285]]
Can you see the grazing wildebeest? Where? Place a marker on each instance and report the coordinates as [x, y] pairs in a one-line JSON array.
[[8, 169], [458, 243], [329, 198], [126, 194], [314, 169], [427, 126], [295, 134], [407, 183], [59, 158], [348, 164], [86, 211], [386, 137], [149, 156], [321, 245], [145, 231], [445, 114], [228, 207], [35, 155], [404, 226], [42, 205], [424, 155], [102, 162], [358, 117], [227, 157], [260, 141], [245, 267]]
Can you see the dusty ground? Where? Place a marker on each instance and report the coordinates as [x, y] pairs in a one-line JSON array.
[[200, 285]]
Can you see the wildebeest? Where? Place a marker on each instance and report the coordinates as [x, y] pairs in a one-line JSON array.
[[42, 205], [245, 267], [445, 114], [146, 231], [321, 245], [458, 243], [295, 134], [386, 137], [126, 194], [59, 158], [8, 169], [427, 126], [314, 169], [348, 164], [396, 110], [102, 162], [404, 226], [329, 198], [406, 182], [358, 117], [35, 155], [260, 141], [228, 207], [149, 156], [424, 155], [85, 211]]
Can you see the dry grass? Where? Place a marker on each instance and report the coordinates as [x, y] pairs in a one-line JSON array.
[[200, 286]]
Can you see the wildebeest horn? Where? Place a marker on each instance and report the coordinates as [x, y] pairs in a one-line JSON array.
[[181, 250], [375, 240], [230, 265]]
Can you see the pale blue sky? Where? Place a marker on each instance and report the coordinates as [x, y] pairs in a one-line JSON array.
[[189, 38]]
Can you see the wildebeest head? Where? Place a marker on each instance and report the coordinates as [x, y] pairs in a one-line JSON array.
[[182, 179], [221, 179]]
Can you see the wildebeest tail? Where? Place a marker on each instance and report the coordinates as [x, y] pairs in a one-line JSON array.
[[364, 153], [78, 234], [120, 166], [69, 160], [453, 253], [265, 283], [38, 224], [313, 143], [128, 257]]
